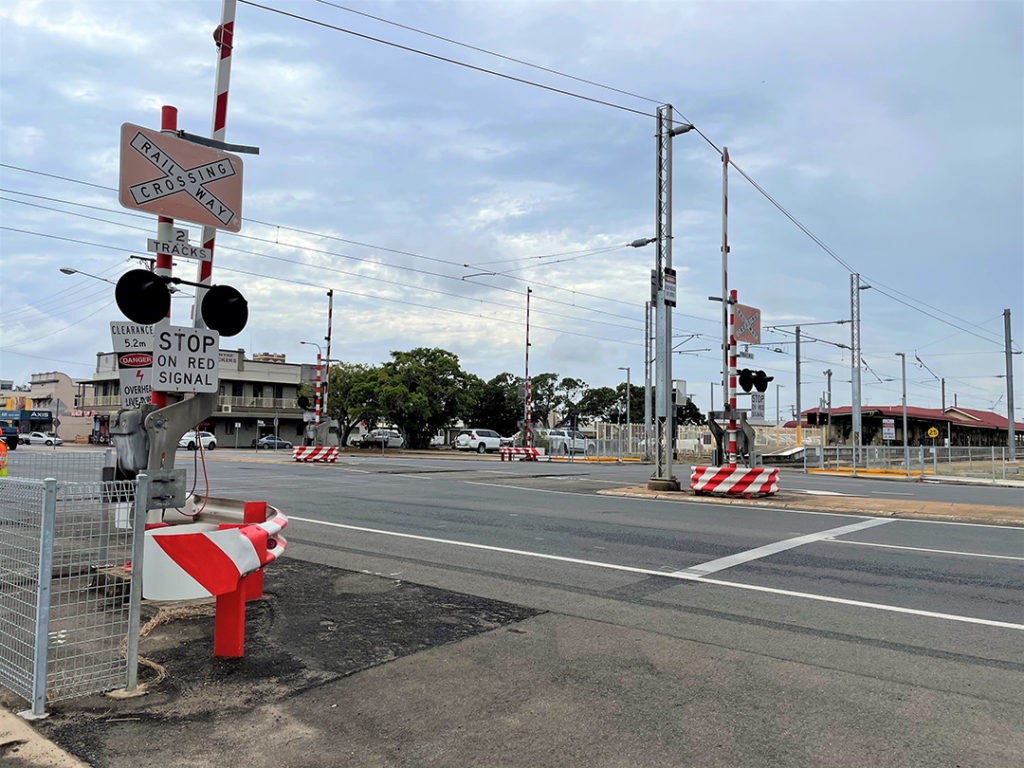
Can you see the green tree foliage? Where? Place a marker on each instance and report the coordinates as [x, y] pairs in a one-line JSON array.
[[569, 393], [421, 391], [544, 396], [690, 414], [494, 404], [600, 404], [351, 397]]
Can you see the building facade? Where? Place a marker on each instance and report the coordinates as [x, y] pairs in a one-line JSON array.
[[960, 426], [257, 397]]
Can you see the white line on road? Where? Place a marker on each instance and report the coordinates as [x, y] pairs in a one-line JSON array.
[[713, 566], [650, 572], [817, 493], [924, 549], [890, 493]]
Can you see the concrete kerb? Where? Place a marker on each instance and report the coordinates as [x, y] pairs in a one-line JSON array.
[[21, 742], [854, 505]]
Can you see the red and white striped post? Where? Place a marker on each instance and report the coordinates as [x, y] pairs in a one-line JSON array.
[[224, 37], [732, 379], [327, 338], [528, 405], [318, 386], [164, 233]]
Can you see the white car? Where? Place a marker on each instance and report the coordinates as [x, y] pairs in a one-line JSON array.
[[479, 440], [566, 441], [40, 438], [190, 441]]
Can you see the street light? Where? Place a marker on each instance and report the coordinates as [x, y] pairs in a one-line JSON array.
[[629, 430], [72, 271]]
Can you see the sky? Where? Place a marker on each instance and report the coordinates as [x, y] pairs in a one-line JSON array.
[[430, 195]]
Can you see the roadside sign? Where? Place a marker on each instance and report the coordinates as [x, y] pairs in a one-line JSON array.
[[133, 345], [933, 432], [186, 359], [670, 287], [179, 247], [238, 425], [163, 174], [888, 429], [748, 324], [757, 406]]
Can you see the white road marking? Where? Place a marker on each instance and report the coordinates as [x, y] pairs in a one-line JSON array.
[[713, 566], [890, 493], [924, 549], [674, 575], [817, 493], [413, 477]]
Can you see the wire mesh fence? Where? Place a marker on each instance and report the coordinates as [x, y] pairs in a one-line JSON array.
[[919, 460], [68, 616], [67, 466]]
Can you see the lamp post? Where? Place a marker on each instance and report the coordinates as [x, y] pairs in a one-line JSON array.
[[778, 422], [855, 418], [906, 449], [629, 431]]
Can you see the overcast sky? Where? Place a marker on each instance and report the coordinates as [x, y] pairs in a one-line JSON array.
[[891, 130]]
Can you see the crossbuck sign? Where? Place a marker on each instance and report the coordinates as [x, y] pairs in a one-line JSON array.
[[748, 324], [163, 174]]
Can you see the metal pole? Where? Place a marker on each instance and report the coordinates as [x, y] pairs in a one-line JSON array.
[[906, 447], [527, 394], [648, 431], [164, 233], [662, 479], [777, 420], [799, 418], [725, 275], [135, 596], [318, 386], [1011, 426], [224, 36], [855, 434], [43, 582], [828, 427], [629, 424], [327, 338], [732, 379], [821, 407]]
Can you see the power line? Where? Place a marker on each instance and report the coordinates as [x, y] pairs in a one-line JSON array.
[[446, 59], [490, 53]]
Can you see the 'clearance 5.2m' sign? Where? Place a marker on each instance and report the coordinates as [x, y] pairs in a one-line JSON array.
[[163, 174]]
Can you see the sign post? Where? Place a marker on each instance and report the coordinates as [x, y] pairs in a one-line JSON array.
[[133, 345]]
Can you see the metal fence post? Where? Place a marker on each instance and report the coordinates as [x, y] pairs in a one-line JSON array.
[[135, 602], [935, 461], [1004, 463], [41, 645], [993, 462]]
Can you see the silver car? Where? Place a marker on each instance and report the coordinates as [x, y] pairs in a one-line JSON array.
[[569, 441]]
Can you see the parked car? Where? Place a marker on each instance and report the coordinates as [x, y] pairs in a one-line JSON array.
[[272, 441], [40, 438], [190, 441], [390, 438], [567, 441], [479, 440]]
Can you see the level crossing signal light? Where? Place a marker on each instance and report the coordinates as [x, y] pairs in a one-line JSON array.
[[144, 298], [756, 379]]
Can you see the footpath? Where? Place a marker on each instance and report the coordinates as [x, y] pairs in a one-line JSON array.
[[345, 668]]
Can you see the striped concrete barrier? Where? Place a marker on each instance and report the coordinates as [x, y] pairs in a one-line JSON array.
[[527, 454], [723, 481], [315, 453]]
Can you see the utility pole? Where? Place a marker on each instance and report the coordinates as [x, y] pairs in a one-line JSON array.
[[648, 431], [906, 448], [527, 393], [778, 421], [663, 479], [855, 435], [1011, 425], [725, 275], [949, 428], [828, 376], [327, 338], [799, 433]]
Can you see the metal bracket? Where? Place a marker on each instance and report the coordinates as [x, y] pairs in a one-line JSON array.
[[166, 488], [207, 142], [167, 425]]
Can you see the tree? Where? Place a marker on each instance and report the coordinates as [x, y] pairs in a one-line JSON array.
[[350, 398], [543, 398], [421, 391], [494, 404], [690, 414], [569, 394], [601, 404]]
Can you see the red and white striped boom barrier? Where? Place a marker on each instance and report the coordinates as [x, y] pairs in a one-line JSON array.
[[730, 481], [526, 454], [315, 453]]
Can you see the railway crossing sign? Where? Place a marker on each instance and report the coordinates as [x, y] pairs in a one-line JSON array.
[[166, 175], [179, 247], [748, 324]]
